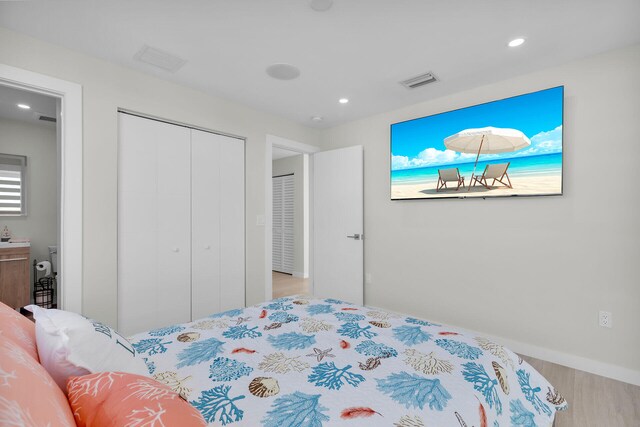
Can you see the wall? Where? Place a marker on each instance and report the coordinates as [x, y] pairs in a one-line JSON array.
[[107, 87], [38, 143], [298, 165], [529, 270]]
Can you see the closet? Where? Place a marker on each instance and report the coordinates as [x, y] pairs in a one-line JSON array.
[[181, 234], [283, 212]]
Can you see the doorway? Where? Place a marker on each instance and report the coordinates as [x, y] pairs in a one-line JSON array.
[[67, 97], [29, 194], [288, 219], [336, 221], [290, 222]]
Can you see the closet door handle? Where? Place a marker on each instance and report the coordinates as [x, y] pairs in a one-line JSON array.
[[13, 259], [176, 249], [206, 248]]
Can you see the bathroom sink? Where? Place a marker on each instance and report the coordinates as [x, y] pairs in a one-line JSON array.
[[14, 245]]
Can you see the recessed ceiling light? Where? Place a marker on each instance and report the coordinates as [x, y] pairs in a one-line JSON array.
[[516, 42], [343, 100], [283, 71], [321, 5], [24, 106], [316, 118]]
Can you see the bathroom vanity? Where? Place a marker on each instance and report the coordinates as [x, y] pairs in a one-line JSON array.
[[14, 274]]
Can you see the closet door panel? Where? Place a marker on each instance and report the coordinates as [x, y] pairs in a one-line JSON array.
[[205, 214], [288, 189], [276, 243], [153, 221], [232, 221], [174, 224], [137, 296]]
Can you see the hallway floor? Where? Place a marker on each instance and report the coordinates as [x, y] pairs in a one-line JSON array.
[[286, 284]]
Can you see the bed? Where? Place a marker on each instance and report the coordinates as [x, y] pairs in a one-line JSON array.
[[307, 362]]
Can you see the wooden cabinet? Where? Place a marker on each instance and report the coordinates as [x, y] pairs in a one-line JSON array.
[[14, 276]]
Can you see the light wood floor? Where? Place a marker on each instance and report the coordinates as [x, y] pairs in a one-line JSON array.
[[594, 401], [285, 285]]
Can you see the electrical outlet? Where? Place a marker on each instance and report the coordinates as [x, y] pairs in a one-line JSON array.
[[605, 319], [368, 278]]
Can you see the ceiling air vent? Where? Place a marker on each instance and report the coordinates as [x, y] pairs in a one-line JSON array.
[[421, 80], [159, 58], [44, 118]]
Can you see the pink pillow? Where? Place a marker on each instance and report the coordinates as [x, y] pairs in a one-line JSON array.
[[28, 395], [21, 330], [112, 399]]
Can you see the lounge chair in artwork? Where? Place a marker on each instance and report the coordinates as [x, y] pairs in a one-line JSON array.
[[449, 175], [497, 172]]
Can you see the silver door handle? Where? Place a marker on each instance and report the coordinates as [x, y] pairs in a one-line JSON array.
[[356, 236]]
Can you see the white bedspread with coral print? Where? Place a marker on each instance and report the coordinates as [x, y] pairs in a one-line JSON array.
[[311, 363]]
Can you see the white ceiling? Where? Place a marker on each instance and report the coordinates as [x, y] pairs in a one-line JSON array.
[[10, 97], [281, 153], [359, 49]]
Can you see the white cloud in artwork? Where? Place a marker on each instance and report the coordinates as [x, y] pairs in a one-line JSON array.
[[548, 142], [428, 157]]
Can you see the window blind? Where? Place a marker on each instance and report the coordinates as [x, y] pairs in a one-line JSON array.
[[11, 190]]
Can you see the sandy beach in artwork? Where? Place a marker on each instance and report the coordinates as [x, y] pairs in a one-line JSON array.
[[523, 185]]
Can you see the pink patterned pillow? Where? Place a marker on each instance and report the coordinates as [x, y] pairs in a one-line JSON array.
[[18, 328], [112, 399], [28, 395]]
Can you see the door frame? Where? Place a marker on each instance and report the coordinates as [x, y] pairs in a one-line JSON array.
[[302, 148], [70, 175]]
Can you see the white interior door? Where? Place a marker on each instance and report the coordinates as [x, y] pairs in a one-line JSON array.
[[338, 184], [154, 253], [283, 223]]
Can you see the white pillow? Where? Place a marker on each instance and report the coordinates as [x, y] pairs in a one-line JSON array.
[[70, 344]]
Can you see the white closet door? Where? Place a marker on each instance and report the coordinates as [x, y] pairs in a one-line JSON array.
[[276, 241], [232, 224], [283, 217], [288, 186], [154, 281], [205, 216]]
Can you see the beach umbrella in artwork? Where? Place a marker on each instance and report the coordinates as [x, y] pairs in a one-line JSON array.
[[488, 140]]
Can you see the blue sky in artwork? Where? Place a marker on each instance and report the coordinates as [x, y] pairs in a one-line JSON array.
[[420, 142]]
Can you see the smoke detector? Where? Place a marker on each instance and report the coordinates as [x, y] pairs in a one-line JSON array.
[[418, 81], [159, 59]]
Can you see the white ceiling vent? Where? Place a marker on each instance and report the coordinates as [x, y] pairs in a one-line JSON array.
[[421, 80], [159, 58]]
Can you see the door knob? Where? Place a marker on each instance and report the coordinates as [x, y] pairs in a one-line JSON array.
[[356, 236], [176, 249], [207, 247]]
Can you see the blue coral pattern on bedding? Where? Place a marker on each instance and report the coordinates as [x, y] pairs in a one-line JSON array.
[[303, 362]]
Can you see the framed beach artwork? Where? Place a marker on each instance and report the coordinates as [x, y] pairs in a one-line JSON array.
[[510, 147]]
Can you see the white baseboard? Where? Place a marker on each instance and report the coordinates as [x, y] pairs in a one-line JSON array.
[[300, 275], [572, 361]]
